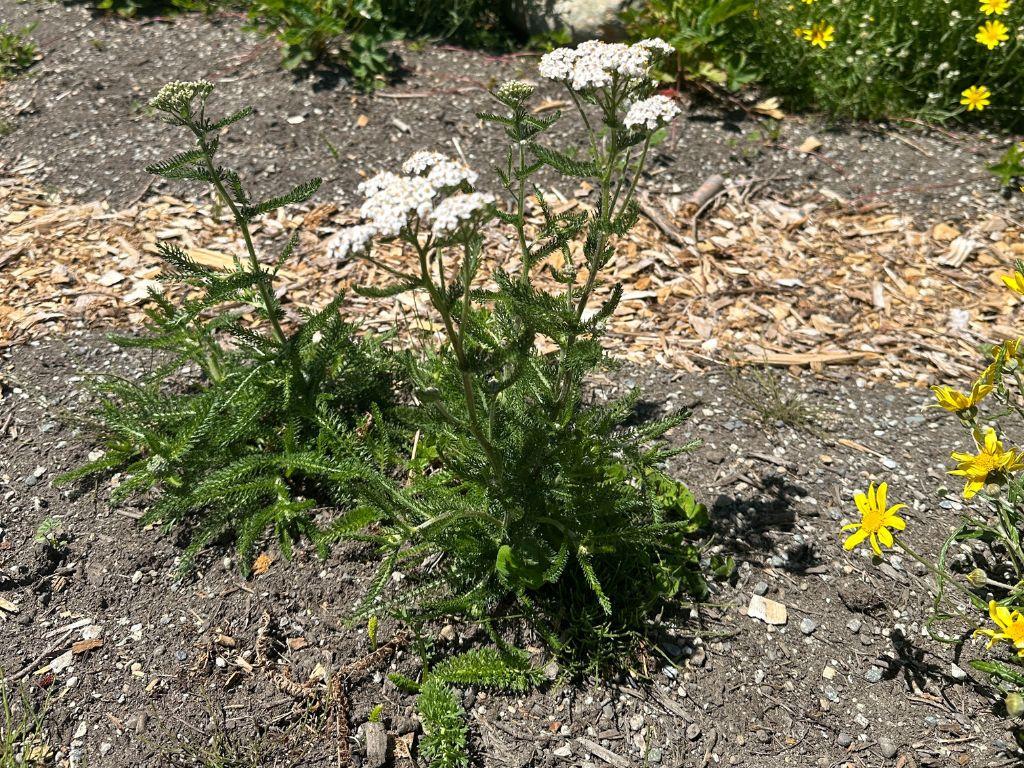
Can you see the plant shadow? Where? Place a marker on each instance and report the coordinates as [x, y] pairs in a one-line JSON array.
[[744, 520]]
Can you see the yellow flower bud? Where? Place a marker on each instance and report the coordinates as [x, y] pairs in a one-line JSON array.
[[1014, 704], [977, 578]]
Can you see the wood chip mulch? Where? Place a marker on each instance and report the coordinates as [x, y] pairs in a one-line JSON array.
[[764, 282]]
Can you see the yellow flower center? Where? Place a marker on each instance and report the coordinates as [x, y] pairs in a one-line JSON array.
[[872, 521], [1015, 631], [986, 463]]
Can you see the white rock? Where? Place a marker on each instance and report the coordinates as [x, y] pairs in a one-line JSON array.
[[584, 19], [768, 611]]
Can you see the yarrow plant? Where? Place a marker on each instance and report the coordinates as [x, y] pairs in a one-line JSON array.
[[535, 502], [524, 505], [278, 420], [990, 533]]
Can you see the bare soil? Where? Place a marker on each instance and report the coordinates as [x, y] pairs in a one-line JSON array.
[[850, 679]]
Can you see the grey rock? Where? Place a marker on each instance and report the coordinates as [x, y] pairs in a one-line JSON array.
[[404, 725], [693, 731], [583, 19], [887, 747], [844, 739], [376, 744], [761, 588], [808, 625], [873, 675]]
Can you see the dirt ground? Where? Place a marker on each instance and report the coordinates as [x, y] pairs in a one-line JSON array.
[[850, 679], [143, 670]]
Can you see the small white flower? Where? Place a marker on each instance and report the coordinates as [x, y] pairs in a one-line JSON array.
[[394, 199], [449, 173], [651, 113], [655, 44], [421, 160], [450, 213], [351, 240], [557, 64]]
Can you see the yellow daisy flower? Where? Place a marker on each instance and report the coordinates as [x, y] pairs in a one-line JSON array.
[[875, 520], [994, 7], [1014, 282], [988, 464], [955, 401], [1010, 624], [820, 34], [1001, 354], [992, 34], [976, 97]]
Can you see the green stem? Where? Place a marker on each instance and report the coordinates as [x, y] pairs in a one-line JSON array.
[[636, 176], [939, 575], [454, 337], [263, 283]]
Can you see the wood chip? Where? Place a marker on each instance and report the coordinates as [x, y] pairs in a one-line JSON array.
[[783, 281]]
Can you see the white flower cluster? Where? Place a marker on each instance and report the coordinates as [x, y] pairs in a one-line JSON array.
[[450, 214], [593, 64], [449, 173], [651, 113], [351, 240], [177, 95], [421, 161], [391, 199], [657, 45], [442, 172]]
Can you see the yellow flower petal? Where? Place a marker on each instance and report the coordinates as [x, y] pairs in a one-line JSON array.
[[855, 539], [862, 502], [895, 522], [874, 545], [883, 490]]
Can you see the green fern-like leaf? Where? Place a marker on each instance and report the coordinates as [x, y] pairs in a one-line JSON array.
[[508, 670], [445, 736]]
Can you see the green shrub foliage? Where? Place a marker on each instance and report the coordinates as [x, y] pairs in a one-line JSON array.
[[527, 497], [278, 421], [879, 58]]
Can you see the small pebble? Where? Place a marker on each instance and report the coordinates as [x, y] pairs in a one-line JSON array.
[[887, 748]]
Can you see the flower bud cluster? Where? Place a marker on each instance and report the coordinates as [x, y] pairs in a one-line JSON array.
[[514, 91], [176, 96]]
